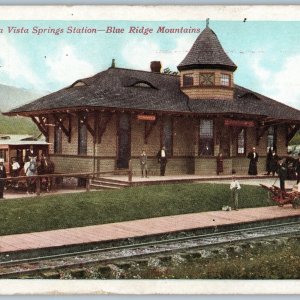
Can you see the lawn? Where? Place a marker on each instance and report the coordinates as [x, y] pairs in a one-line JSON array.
[[82, 209]]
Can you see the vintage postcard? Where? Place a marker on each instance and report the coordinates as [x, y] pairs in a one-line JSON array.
[[149, 149]]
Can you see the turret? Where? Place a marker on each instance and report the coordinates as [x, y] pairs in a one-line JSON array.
[[207, 72]]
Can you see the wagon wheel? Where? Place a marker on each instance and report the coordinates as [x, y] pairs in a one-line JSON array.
[[296, 202]]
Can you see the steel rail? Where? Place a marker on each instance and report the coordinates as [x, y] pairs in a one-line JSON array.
[[137, 246]]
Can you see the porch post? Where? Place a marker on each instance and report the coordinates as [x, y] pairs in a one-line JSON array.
[[38, 186], [130, 171]]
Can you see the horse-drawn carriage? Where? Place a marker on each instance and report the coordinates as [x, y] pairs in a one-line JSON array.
[[27, 177], [282, 198], [17, 148]]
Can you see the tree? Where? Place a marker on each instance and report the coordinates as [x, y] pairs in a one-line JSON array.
[[168, 71]]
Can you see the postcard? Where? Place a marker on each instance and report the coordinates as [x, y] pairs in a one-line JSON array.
[[149, 150]]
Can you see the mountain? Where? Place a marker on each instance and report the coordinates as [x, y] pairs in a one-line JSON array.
[[11, 97]]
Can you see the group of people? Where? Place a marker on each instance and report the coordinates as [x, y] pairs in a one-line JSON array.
[[161, 158], [29, 167], [276, 164]]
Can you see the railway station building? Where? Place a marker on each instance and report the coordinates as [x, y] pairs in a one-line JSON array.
[[101, 122]]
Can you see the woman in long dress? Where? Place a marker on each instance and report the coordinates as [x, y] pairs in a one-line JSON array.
[[253, 156]]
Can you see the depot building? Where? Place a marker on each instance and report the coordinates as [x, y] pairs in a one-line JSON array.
[[101, 122]]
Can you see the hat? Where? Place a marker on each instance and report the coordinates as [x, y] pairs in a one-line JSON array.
[[1, 160]]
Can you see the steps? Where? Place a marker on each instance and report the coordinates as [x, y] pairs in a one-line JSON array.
[[105, 184]]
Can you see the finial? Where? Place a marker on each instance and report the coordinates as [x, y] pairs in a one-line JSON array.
[[207, 22], [113, 64]]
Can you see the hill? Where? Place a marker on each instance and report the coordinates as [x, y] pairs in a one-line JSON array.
[[296, 139], [18, 125], [11, 97]]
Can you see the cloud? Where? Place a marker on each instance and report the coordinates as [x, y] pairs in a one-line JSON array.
[[138, 54], [15, 66], [282, 85], [65, 66]]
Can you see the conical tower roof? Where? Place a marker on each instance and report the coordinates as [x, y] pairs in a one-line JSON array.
[[207, 52]]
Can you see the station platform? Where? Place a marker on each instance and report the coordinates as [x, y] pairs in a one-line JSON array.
[[140, 228]]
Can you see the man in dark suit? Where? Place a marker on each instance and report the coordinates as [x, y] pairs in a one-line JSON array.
[[297, 168], [253, 156], [2, 175], [162, 159], [30, 153]]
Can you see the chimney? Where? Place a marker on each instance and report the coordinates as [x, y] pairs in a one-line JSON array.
[[113, 63], [155, 66]]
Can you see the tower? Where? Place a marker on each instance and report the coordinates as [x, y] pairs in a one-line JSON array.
[[207, 72]]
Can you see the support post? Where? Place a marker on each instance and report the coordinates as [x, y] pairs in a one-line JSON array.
[[38, 186], [88, 184], [130, 171]]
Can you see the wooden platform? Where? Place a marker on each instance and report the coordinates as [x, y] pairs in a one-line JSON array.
[[138, 180], [140, 228]]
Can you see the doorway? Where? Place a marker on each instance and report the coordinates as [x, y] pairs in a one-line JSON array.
[[123, 141], [225, 141]]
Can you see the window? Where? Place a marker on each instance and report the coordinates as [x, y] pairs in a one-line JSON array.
[[82, 137], [167, 135], [3, 154], [188, 80], [225, 80], [78, 83], [271, 138], [207, 79], [57, 140], [206, 145], [241, 142], [142, 84]]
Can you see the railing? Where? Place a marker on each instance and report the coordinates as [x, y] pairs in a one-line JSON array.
[[88, 176]]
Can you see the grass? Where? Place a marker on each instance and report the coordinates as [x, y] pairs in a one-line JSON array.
[[82, 209]]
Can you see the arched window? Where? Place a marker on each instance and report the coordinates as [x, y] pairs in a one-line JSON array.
[[82, 137], [206, 143], [57, 139], [167, 135], [142, 84], [78, 83], [271, 138], [241, 142]]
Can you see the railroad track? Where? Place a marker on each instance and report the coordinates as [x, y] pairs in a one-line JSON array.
[[17, 268]]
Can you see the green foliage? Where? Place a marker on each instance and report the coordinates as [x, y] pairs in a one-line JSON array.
[[82, 209], [168, 71], [17, 125]]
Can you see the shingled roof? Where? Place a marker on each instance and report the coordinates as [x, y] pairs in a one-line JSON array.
[[121, 89], [116, 88], [247, 103], [207, 52]]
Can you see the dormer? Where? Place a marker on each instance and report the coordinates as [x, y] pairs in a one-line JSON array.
[[207, 72]]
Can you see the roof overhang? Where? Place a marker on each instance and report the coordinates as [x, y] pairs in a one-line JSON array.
[[207, 66], [73, 110]]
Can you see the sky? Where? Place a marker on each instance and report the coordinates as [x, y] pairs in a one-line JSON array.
[[267, 53]]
